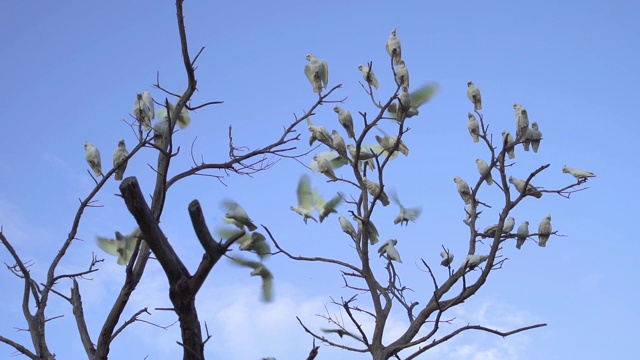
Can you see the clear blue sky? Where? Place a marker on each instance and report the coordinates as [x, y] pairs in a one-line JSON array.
[[70, 71]]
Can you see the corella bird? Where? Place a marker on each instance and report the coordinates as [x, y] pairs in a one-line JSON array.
[[473, 127], [317, 71], [320, 133], [578, 173], [183, 119], [364, 155], [388, 142], [347, 227], [341, 333], [143, 109], [417, 98], [544, 231], [523, 234], [346, 120], [472, 261], [463, 190], [335, 160], [507, 140], [372, 231], [324, 167], [368, 75], [519, 184], [405, 215], [534, 136], [483, 168], [339, 145], [473, 93], [254, 241], [469, 211], [122, 246], [305, 199], [93, 158], [402, 75], [393, 47], [490, 231], [522, 122], [258, 270], [325, 208], [119, 157], [159, 136], [236, 215], [447, 258], [389, 248], [374, 189]]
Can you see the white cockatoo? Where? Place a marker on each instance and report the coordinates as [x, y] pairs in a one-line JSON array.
[[366, 155], [183, 119], [473, 93], [122, 246], [393, 47], [469, 211], [508, 140], [335, 160], [143, 109], [254, 241], [417, 98], [339, 145], [483, 168], [404, 104], [406, 214], [578, 173], [473, 127], [347, 227], [93, 158], [346, 120], [519, 184], [509, 224], [402, 75], [119, 157], [447, 258], [325, 208], [534, 136], [389, 248], [258, 270], [320, 133], [305, 206], [159, 136], [236, 215], [372, 231], [523, 234], [317, 72], [472, 261], [544, 231], [463, 190], [387, 142], [374, 189], [341, 333], [368, 75], [324, 167], [522, 122]]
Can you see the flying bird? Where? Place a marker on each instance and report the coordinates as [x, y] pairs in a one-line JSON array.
[[341, 333], [531, 190], [483, 168], [346, 120], [325, 208], [368, 75], [347, 227], [387, 142], [122, 246], [183, 119], [236, 215], [405, 215], [143, 109], [463, 190], [317, 71], [389, 248], [393, 47], [544, 231], [473, 127], [305, 199], [417, 98], [374, 189], [93, 158], [254, 241], [258, 270], [119, 157], [447, 258], [473, 93], [578, 173], [523, 234]]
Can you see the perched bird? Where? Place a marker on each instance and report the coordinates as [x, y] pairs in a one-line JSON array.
[[93, 158], [473, 93], [305, 199], [183, 119], [317, 72], [341, 333], [534, 136], [346, 120], [326, 208], [522, 122], [402, 75], [507, 140], [258, 270], [469, 211], [463, 190], [324, 167], [490, 231], [473, 127], [472, 261], [405, 214], [372, 231], [417, 98], [447, 258], [159, 136], [320, 133], [388, 142], [236, 215], [544, 231], [374, 189], [523, 234], [347, 227], [335, 160], [519, 184], [389, 248], [122, 246], [339, 145], [365, 154], [143, 109], [119, 157], [368, 75], [393, 47], [578, 173], [483, 168]]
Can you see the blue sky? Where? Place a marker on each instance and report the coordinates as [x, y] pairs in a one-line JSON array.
[[70, 72]]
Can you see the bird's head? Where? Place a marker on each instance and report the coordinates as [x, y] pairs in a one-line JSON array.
[[469, 83]]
